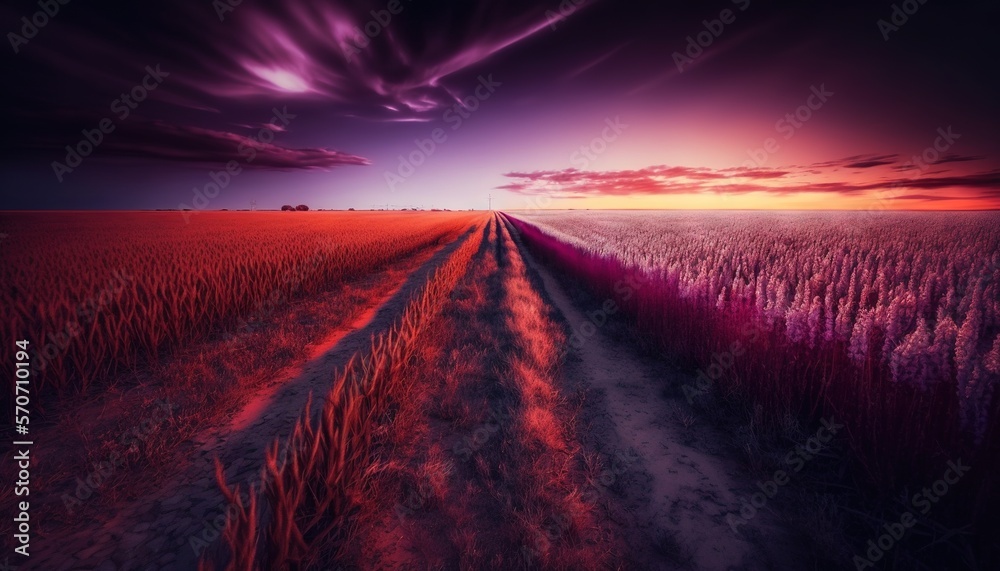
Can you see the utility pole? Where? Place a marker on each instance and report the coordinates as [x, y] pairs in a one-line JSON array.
[[491, 201], [253, 205]]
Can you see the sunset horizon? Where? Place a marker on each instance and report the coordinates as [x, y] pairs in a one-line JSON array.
[[500, 285], [581, 104]]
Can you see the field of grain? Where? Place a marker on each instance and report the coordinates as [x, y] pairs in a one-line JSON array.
[[547, 390], [890, 324], [100, 293], [301, 521], [917, 300]]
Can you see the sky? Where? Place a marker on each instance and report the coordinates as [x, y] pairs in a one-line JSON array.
[[740, 104]]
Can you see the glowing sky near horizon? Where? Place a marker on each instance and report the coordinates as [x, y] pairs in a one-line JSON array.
[[789, 106]]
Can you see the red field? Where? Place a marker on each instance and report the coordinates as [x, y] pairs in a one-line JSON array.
[[486, 391], [105, 291]]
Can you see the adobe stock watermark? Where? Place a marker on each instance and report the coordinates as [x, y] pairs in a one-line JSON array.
[[921, 163], [788, 125], [455, 116], [625, 288], [991, 271], [122, 108], [364, 35], [932, 154], [702, 40], [418, 498], [30, 26], [85, 313], [224, 7], [899, 17], [557, 525], [215, 523], [533, 204], [587, 153], [282, 293], [221, 179], [566, 9], [921, 504], [796, 460], [468, 445], [94, 480], [582, 158], [723, 361]]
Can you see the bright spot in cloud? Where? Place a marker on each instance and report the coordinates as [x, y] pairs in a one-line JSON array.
[[281, 79]]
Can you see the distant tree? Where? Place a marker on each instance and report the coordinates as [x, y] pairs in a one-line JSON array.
[[302, 208], [287, 207], [350, 209]]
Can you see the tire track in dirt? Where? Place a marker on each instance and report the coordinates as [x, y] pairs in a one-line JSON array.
[[169, 528], [667, 499], [421, 516], [479, 468]]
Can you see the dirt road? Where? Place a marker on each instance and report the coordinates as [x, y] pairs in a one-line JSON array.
[[669, 496], [509, 454]]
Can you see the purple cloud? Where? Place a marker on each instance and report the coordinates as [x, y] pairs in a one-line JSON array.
[[688, 180]]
